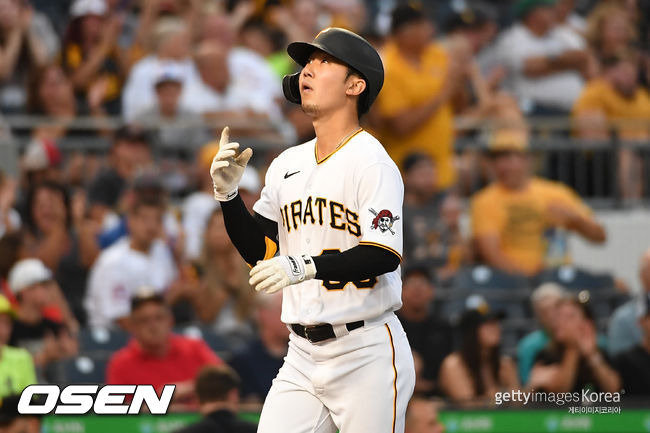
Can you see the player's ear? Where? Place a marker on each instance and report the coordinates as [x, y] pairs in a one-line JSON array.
[[356, 86]]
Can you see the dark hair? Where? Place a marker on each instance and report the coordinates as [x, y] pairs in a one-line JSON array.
[[413, 158], [147, 200], [34, 81], [31, 197], [470, 353], [406, 14], [10, 245], [213, 383]]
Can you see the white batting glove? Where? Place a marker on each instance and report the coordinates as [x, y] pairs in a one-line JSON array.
[[274, 274], [227, 167]]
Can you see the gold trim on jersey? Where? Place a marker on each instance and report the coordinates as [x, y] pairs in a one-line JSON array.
[[343, 143], [392, 346], [271, 248], [382, 246]]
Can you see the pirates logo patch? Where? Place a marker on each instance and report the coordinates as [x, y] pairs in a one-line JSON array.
[[383, 220]]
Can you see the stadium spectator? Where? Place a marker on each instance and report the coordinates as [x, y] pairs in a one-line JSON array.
[[11, 250], [171, 46], [268, 41], [27, 42], [59, 234], [477, 370], [217, 389], [431, 219], [610, 29], [617, 95], [128, 155], [9, 217], [51, 94], [422, 417], [511, 216], [544, 300], [141, 259], [46, 340], [175, 128], [16, 364], [155, 356], [430, 336], [12, 421], [40, 163], [420, 79], [624, 331], [227, 75], [259, 362], [545, 72], [633, 363], [573, 360], [91, 54], [221, 296]]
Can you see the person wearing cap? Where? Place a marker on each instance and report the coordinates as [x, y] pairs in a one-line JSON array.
[[430, 336], [574, 358], [617, 94], [141, 258], [174, 127], [511, 216], [545, 71], [633, 363], [45, 339], [421, 78], [475, 372], [623, 330], [155, 355], [16, 364], [91, 54], [333, 208]]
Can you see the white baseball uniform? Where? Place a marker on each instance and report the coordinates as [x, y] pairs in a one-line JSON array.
[[362, 380]]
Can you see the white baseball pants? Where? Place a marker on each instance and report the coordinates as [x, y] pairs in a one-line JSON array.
[[360, 382]]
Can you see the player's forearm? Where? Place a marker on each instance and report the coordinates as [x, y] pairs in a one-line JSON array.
[[358, 263], [244, 231]]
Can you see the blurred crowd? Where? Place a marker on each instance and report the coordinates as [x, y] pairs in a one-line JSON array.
[[129, 245]]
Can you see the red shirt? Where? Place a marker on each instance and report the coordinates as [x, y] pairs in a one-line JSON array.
[[185, 357]]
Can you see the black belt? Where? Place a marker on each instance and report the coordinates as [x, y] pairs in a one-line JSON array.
[[317, 333]]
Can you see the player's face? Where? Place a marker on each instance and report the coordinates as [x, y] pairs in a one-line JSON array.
[[323, 84]]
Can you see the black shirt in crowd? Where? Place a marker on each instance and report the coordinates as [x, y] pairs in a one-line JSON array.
[[432, 339], [257, 369], [634, 367], [30, 336]]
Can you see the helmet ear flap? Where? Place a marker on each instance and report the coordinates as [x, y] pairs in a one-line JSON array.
[[291, 88]]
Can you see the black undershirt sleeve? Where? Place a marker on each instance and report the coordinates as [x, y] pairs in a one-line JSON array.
[[248, 232], [357, 263]]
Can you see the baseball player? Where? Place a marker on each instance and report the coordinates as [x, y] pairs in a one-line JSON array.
[[332, 208]]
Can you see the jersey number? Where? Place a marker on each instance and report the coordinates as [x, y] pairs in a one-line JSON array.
[[338, 285]]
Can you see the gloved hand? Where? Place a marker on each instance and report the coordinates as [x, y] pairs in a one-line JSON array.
[[227, 167], [279, 272]]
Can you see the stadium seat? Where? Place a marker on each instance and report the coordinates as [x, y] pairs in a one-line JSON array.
[[102, 340], [575, 279], [85, 368], [484, 277], [216, 342]]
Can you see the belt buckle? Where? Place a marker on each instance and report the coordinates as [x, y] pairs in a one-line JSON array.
[[307, 329]]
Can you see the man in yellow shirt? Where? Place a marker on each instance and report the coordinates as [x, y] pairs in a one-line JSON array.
[[617, 96], [420, 78], [510, 216]]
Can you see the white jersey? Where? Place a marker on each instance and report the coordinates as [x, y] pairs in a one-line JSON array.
[[119, 272], [353, 196]]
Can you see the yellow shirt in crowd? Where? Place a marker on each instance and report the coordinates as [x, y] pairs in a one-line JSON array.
[[599, 96], [407, 86], [520, 218]]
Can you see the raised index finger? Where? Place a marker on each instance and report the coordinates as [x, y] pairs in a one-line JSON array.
[[225, 136]]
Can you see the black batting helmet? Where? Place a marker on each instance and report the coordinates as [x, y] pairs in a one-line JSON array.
[[349, 48]]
